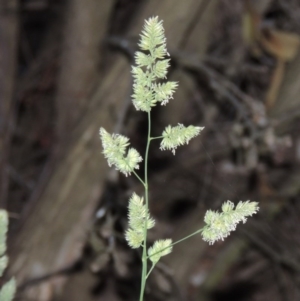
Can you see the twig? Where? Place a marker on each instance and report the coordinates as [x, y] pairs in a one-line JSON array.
[[225, 88], [123, 44], [283, 260]]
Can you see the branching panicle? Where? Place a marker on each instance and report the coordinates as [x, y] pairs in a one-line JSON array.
[[148, 90]]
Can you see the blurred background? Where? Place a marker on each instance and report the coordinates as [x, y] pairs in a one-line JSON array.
[[65, 71]]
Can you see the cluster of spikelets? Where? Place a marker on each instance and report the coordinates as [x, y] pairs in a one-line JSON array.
[[114, 150], [178, 135], [150, 67], [138, 218], [219, 225], [7, 291], [148, 90], [138, 215]]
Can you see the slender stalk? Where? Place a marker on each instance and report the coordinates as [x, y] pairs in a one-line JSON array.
[[159, 137], [153, 265], [187, 237], [144, 256], [139, 178], [180, 240]]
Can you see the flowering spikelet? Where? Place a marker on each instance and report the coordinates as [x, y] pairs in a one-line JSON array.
[[151, 67], [8, 290], [178, 135], [3, 264], [160, 248], [219, 225], [3, 231], [114, 149], [137, 216]]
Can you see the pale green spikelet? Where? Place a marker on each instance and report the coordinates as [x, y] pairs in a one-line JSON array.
[[178, 135], [150, 68], [138, 214], [3, 230], [163, 92], [219, 225], [114, 150], [3, 264], [8, 290], [153, 35], [160, 69], [160, 248], [134, 238]]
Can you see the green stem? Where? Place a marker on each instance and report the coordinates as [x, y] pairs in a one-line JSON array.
[[144, 256], [187, 237], [139, 178], [178, 241], [153, 265], [159, 137]]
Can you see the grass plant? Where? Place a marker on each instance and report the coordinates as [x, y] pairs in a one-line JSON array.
[[150, 89]]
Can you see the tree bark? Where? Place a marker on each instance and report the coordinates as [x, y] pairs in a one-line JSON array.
[[86, 25]]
